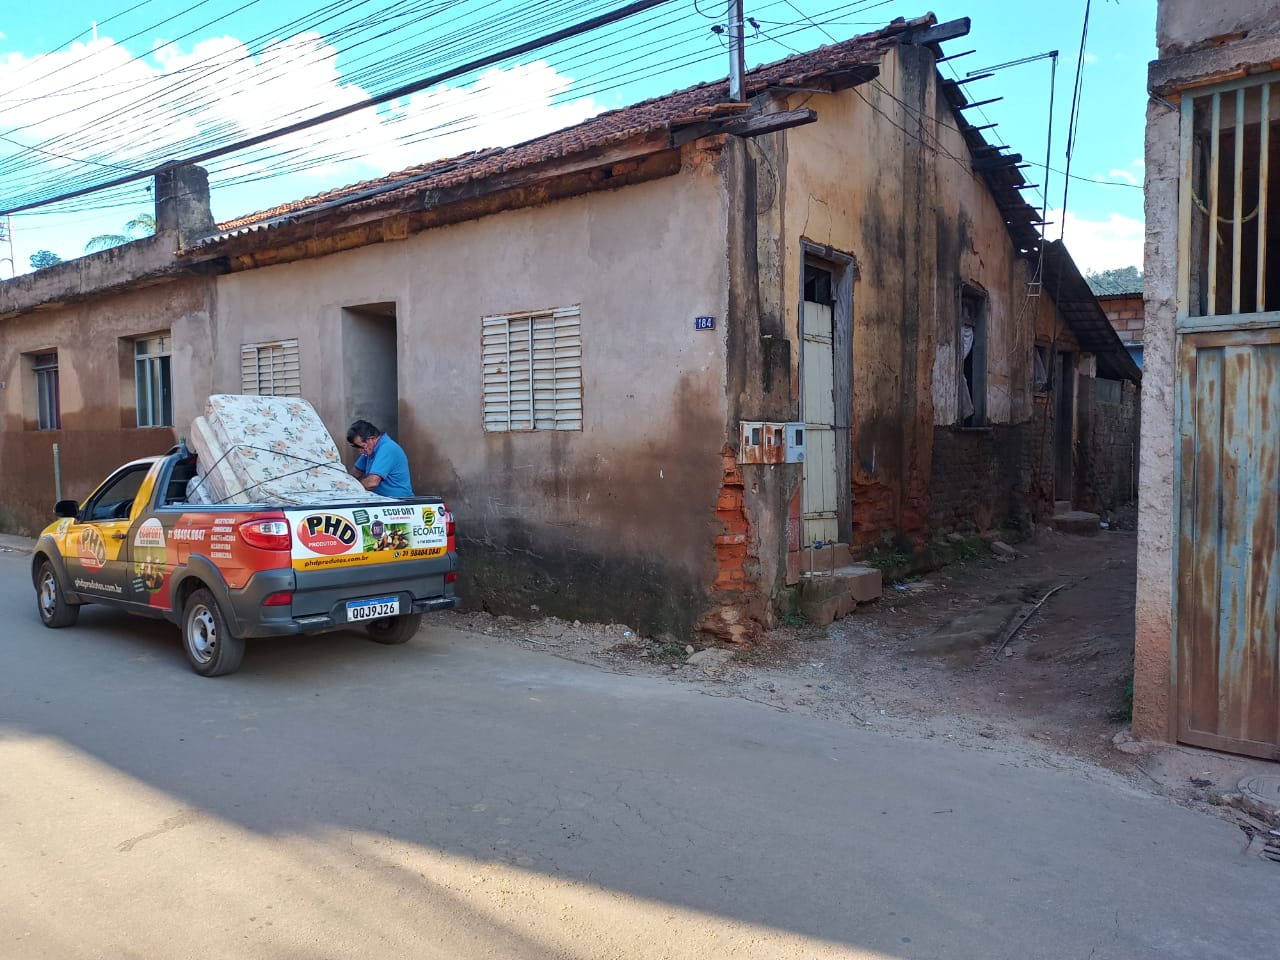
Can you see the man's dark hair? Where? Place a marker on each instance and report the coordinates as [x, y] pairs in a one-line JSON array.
[[362, 429]]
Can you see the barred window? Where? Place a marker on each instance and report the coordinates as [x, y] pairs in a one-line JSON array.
[[1230, 185], [271, 369], [532, 366]]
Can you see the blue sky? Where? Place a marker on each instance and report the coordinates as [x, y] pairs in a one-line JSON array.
[[218, 70]]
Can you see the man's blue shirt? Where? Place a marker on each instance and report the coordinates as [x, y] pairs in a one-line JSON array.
[[389, 463]]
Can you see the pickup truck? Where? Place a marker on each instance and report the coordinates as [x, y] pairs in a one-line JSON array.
[[225, 573]]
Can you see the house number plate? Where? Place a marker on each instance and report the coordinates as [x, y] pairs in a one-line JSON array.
[[704, 323]]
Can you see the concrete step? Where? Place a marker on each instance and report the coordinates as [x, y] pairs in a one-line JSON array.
[[830, 557], [824, 598], [1076, 521], [1062, 506]]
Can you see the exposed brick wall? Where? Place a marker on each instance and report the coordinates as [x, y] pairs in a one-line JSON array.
[[992, 477], [1107, 447], [1004, 475], [1127, 316], [874, 511], [736, 612], [731, 544]]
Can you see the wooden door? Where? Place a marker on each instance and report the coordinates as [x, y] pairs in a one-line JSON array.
[[820, 483]]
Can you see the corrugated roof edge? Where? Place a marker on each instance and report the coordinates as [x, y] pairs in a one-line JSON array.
[[1066, 285]]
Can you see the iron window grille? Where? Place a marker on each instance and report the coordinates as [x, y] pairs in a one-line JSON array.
[[1228, 191]]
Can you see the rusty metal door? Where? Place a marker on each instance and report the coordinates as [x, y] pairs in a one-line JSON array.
[[1227, 667]]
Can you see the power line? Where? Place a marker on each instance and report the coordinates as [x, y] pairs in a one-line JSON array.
[[403, 91], [461, 124], [1072, 126], [132, 122]]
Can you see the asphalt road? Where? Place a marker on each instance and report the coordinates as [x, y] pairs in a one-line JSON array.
[[463, 798]]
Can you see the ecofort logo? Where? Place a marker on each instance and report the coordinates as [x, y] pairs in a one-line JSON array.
[[327, 533], [150, 534]]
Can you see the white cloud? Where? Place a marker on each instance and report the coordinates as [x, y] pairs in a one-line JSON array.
[[1125, 175], [1090, 58], [94, 104], [1102, 244]]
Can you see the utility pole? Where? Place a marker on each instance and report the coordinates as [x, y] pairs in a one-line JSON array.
[[737, 55], [6, 233]]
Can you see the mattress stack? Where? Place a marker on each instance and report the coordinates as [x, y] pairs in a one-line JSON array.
[[268, 450]]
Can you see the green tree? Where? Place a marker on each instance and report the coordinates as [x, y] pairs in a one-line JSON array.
[[44, 258], [1118, 280], [143, 225]]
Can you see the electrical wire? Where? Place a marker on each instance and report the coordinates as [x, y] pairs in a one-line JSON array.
[[287, 64], [154, 123], [387, 96]]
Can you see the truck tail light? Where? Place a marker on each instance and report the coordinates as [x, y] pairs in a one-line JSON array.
[[451, 576], [282, 599], [266, 534], [450, 529]]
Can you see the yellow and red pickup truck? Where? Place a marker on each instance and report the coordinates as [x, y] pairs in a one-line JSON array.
[[225, 573]]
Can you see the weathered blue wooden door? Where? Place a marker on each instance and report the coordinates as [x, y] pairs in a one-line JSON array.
[[1227, 671]]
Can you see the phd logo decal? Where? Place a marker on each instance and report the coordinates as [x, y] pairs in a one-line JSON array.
[[150, 534], [327, 533], [92, 550]]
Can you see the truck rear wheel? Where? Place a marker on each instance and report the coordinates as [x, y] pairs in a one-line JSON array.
[[394, 629], [209, 645], [54, 609]]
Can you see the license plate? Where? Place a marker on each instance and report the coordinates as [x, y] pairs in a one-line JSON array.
[[374, 609]]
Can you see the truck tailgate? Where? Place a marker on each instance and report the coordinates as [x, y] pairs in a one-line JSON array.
[[335, 537]]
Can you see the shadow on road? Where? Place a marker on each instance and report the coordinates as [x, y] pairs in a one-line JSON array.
[[450, 759]]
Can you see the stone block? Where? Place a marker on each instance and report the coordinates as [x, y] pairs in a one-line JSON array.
[[827, 598], [1077, 522], [864, 582]]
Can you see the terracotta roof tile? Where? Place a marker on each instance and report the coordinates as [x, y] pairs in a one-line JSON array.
[[683, 106]]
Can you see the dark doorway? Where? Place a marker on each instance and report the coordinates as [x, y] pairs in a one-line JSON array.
[[369, 365]]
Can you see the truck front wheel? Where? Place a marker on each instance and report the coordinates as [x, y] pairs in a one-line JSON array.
[[394, 629], [54, 609], [209, 646]]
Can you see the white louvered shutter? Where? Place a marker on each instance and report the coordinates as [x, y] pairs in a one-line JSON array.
[[533, 371], [557, 371], [271, 369]]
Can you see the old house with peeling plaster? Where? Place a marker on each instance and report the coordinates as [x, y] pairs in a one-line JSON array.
[[1207, 650], [591, 343]]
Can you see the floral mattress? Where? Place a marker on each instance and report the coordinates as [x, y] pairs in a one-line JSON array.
[[272, 450]]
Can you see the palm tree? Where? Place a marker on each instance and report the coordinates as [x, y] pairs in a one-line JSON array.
[[143, 225]]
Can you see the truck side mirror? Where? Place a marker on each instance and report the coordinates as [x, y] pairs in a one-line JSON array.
[[66, 508]]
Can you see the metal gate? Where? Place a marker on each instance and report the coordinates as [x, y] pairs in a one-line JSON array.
[[1227, 633]]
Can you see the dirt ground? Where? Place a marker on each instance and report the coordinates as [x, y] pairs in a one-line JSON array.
[[927, 650], [939, 656]]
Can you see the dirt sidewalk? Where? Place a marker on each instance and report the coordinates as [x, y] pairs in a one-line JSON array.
[[939, 656]]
